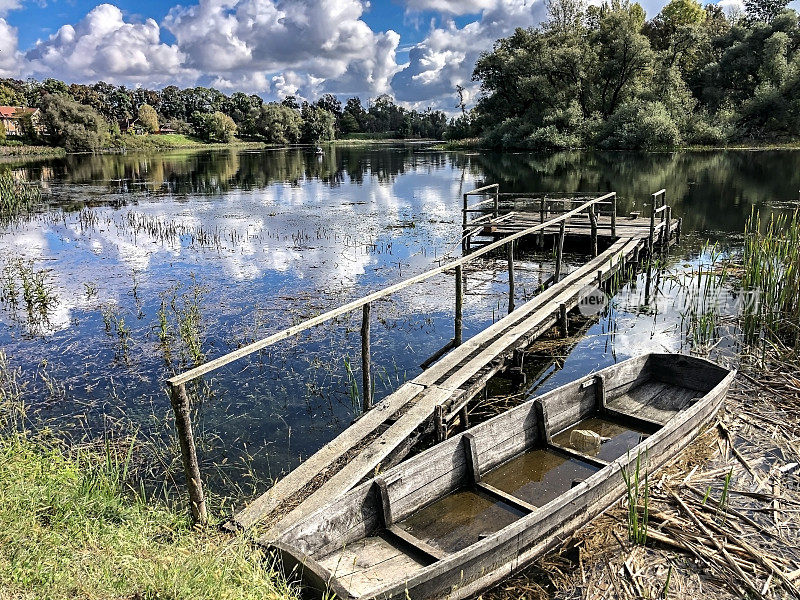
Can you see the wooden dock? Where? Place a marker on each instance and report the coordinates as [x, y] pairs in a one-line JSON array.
[[427, 404]]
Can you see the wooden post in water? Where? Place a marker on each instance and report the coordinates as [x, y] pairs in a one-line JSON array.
[[464, 240], [510, 251], [635, 261], [191, 468], [563, 319], [651, 237], [366, 367], [667, 226], [497, 202], [559, 252], [678, 230], [593, 222], [541, 220], [614, 215], [459, 318]]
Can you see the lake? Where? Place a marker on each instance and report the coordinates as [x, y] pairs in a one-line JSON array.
[[154, 263]]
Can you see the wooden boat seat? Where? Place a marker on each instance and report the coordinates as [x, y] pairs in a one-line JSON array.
[[655, 400]]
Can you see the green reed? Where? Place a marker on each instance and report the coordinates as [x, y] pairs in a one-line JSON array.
[[16, 196], [702, 310], [638, 490], [771, 270]]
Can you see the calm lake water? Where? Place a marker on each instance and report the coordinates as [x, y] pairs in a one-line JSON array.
[[155, 262]]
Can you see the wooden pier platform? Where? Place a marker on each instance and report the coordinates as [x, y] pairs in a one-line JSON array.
[[385, 433]]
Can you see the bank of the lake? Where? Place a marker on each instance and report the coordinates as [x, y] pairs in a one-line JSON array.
[[71, 527]]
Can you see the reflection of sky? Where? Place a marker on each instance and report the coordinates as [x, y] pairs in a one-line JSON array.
[[268, 252]]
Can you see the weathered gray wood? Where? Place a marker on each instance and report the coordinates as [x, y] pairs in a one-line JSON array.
[[469, 570], [614, 215], [518, 503], [366, 360], [191, 468], [600, 391], [415, 543], [572, 453], [471, 459], [510, 257], [563, 319], [559, 252], [593, 222], [385, 513], [295, 480], [459, 312]]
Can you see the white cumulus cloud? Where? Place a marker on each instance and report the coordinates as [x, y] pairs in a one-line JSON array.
[[104, 46], [10, 57], [447, 55], [299, 43]]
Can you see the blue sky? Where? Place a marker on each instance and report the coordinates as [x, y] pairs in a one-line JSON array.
[[416, 50]]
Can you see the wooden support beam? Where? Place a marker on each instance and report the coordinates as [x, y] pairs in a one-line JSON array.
[[651, 237], [471, 456], [191, 468], [665, 235], [563, 319], [614, 215], [593, 222], [600, 392], [541, 220], [678, 230], [366, 366], [559, 252], [510, 253], [497, 202], [459, 317], [635, 261], [439, 423]]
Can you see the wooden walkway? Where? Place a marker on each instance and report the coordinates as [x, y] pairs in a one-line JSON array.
[[384, 434]]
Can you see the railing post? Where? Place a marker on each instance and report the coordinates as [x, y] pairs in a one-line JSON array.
[[666, 232], [366, 367], [563, 319], [678, 230], [497, 202], [191, 468], [651, 237], [510, 252], [593, 222], [559, 252], [614, 215], [541, 220], [459, 318], [464, 241]]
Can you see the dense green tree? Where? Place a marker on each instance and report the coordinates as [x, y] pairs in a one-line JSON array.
[[148, 118], [214, 127], [73, 125], [318, 124], [764, 10], [278, 124]]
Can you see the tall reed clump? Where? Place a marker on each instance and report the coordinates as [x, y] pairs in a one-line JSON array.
[[16, 196], [771, 275], [703, 308]]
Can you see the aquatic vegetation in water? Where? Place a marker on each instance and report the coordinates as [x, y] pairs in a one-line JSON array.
[[12, 395], [771, 271], [26, 288], [638, 490], [16, 196], [180, 322]]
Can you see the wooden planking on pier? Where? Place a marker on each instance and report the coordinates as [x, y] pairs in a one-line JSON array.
[[509, 223], [381, 432]]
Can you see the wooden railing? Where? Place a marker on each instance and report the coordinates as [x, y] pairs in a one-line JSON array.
[[546, 202], [177, 384]]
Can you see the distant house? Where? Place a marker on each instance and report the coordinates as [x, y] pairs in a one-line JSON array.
[[14, 117], [167, 131], [131, 126]]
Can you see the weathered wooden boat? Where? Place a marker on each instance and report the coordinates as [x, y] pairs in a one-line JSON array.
[[467, 512]]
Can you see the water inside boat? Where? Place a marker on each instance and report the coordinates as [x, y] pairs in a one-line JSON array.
[[460, 519], [618, 438], [539, 476]]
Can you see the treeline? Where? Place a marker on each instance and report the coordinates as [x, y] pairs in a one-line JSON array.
[[88, 117], [604, 76]]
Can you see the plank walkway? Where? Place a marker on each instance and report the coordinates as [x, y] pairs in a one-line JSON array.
[[383, 433]]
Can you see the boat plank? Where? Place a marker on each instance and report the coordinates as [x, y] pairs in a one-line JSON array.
[[298, 478], [367, 461]]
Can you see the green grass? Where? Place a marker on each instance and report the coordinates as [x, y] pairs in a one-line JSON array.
[[28, 150], [170, 141], [17, 196], [69, 528]]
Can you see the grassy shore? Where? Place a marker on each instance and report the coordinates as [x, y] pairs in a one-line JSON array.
[[26, 150], [172, 141], [71, 528]]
